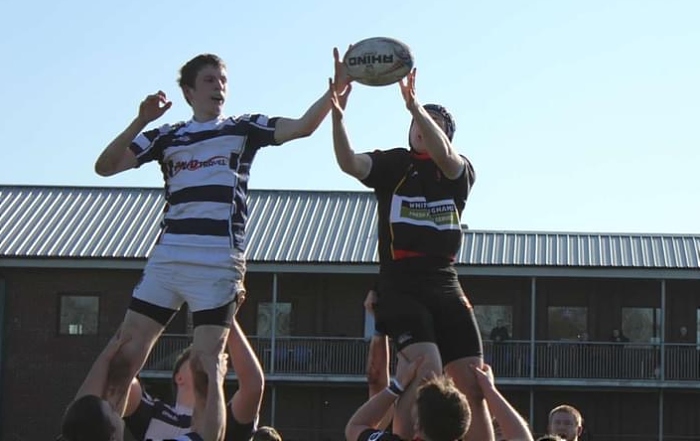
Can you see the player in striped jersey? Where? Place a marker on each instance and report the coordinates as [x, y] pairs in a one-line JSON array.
[[147, 417], [93, 415], [200, 254]]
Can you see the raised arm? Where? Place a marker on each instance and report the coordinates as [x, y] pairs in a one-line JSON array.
[[245, 403], [211, 425], [378, 361], [357, 165], [513, 426], [133, 399], [117, 157], [288, 129], [378, 355], [370, 414], [95, 382], [437, 143]]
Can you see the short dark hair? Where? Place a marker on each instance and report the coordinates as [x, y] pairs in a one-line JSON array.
[[443, 411], [188, 72], [85, 420], [266, 433]]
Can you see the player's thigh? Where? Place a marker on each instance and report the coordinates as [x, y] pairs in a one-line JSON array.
[[211, 286], [404, 319]]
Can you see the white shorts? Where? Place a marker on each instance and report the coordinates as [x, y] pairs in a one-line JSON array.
[[203, 277]]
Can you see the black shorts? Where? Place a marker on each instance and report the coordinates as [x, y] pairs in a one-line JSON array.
[[428, 306]]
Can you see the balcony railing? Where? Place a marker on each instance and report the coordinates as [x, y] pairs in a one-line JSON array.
[[347, 357]]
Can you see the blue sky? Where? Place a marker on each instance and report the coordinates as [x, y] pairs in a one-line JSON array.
[[578, 115]]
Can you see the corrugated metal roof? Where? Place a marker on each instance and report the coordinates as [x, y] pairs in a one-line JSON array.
[[296, 227]]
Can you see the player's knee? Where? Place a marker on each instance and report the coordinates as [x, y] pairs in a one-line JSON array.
[[210, 339]]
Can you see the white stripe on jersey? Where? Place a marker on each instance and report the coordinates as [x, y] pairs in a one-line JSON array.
[[209, 210], [161, 430], [203, 163]]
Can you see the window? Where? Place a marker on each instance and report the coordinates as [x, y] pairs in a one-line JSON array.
[[282, 319], [492, 320], [642, 324], [567, 323], [79, 314]]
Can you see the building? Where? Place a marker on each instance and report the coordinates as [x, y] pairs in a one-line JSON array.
[[69, 258]]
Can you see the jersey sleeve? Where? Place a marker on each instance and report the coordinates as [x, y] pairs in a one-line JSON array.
[[261, 129], [146, 147], [138, 422], [385, 164], [465, 181]]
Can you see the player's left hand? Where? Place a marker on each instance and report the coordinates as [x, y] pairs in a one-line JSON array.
[[341, 79], [408, 90], [338, 101]]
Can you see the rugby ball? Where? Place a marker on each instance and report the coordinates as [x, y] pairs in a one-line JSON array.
[[378, 61]]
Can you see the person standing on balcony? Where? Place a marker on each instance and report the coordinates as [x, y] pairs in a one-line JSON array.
[[683, 336], [199, 258], [421, 193], [565, 421], [147, 417], [499, 333], [618, 337]]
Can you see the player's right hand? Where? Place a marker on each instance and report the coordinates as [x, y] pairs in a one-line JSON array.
[[484, 376], [154, 106], [407, 375]]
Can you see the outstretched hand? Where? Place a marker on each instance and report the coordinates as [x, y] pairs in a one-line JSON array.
[[341, 78], [153, 107], [338, 102], [408, 90]]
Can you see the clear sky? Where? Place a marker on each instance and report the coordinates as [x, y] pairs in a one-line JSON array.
[[578, 115]]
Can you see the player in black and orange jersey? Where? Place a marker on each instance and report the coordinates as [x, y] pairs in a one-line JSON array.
[[421, 193]]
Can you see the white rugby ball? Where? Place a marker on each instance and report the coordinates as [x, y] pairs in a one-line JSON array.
[[378, 61]]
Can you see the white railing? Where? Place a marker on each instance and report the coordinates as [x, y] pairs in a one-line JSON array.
[[336, 356]]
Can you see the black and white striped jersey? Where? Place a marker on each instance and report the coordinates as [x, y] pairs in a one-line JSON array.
[[206, 167], [192, 436], [155, 419]]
